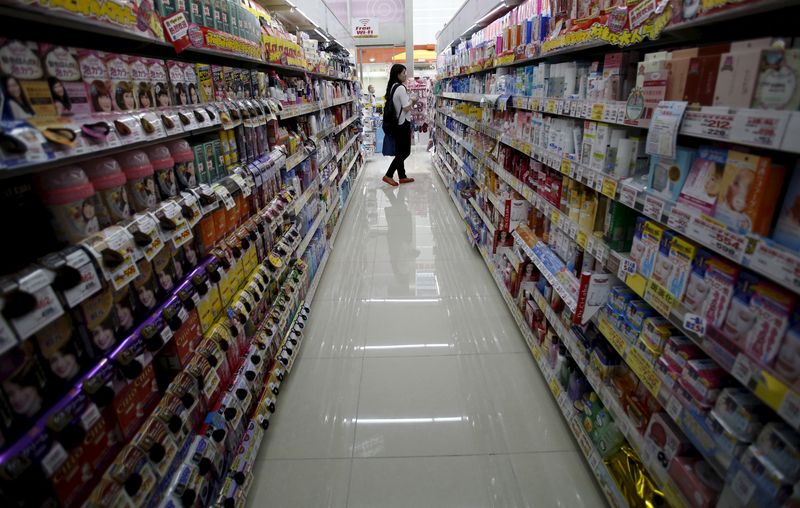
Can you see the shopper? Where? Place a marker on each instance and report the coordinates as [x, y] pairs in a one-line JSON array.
[[371, 96], [396, 92]]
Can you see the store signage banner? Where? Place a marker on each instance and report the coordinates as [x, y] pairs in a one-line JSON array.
[[365, 28]]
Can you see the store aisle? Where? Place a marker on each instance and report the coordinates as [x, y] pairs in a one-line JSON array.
[[414, 387]]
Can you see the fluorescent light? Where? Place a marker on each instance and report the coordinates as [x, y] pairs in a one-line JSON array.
[[322, 34], [404, 346], [402, 300], [290, 4], [305, 16], [441, 419], [491, 13]]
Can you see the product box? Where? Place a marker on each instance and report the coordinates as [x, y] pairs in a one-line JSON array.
[[681, 255], [778, 85], [140, 79], [701, 80], [702, 379], [781, 445], [667, 176], [159, 81], [749, 193], [739, 410], [64, 79], [697, 480], [25, 92], [135, 388], [119, 75], [678, 67], [211, 160], [704, 181], [650, 239], [666, 437], [736, 79], [96, 80], [787, 230], [710, 287], [206, 82], [190, 79], [177, 81]]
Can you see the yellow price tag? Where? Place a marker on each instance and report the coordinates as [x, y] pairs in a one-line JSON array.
[[659, 298], [565, 166], [581, 239], [644, 371], [535, 104], [551, 106], [555, 217], [609, 187], [555, 388], [611, 334], [597, 110], [537, 353]]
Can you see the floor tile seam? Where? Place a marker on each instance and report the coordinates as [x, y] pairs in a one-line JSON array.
[[424, 456], [419, 356]]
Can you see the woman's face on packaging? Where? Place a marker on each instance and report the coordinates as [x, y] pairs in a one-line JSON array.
[[164, 280], [163, 100], [103, 338], [124, 315], [105, 102], [144, 100], [13, 88], [24, 399], [58, 89], [65, 366], [146, 296]]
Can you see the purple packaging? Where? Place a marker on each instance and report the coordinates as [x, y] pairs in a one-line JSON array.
[[22, 479], [64, 79]]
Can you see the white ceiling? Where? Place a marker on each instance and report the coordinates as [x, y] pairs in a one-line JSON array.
[[430, 16]]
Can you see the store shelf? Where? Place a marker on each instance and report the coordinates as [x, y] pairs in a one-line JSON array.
[[301, 249], [119, 147], [752, 251], [565, 284], [482, 215], [593, 459], [296, 158], [303, 199], [682, 31], [341, 152], [350, 165], [314, 107], [346, 205]]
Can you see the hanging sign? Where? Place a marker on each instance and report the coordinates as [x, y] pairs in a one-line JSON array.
[[365, 28]]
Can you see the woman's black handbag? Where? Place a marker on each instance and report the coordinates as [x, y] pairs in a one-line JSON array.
[[389, 145]]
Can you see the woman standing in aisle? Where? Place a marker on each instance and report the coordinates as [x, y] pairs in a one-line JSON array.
[[396, 92]]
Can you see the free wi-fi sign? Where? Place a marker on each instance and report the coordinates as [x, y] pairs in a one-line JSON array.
[[365, 28]]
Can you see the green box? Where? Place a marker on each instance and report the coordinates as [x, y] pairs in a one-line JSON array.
[[200, 164], [233, 18], [219, 158], [211, 161]]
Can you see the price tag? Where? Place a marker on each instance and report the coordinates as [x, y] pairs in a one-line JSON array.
[[53, 459], [694, 323], [609, 188], [224, 195], [597, 111], [626, 266], [678, 220], [90, 281], [742, 487], [742, 369], [715, 234], [759, 127], [644, 370], [90, 416], [555, 217], [782, 265], [627, 195], [674, 409], [590, 178], [653, 207], [659, 298], [789, 409], [565, 166], [242, 184], [581, 239], [148, 225], [555, 388]]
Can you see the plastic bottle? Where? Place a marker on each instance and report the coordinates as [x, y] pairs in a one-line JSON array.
[[163, 167], [113, 205], [140, 184], [69, 196]]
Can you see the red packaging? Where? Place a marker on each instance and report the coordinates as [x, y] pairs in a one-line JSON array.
[[135, 385]]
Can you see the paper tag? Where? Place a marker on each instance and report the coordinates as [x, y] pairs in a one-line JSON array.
[[759, 127], [182, 232], [191, 200], [90, 416], [778, 263], [597, 111], [609, 188], [709, 232], [742, 487], [674, 409], [627, 195], [789, 409], [678, 220], [715, 126], [47, 309], [90, 281], [54, 458], [626, 266], [653, 207], [147, 224], [224, 195], [742, 369], [694, 323], [659, 298], [242, 184]]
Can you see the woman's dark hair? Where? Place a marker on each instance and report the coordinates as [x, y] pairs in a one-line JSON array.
[[394, 72], [64, 97], [22, 101]]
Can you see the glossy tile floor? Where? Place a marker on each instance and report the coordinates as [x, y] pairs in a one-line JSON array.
[[414, 387]]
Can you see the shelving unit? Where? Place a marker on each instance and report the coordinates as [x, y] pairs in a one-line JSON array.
[[483, 143]]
